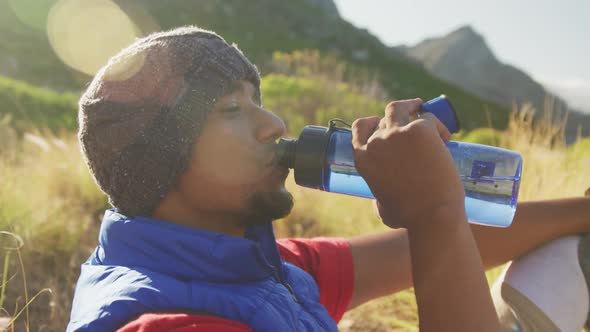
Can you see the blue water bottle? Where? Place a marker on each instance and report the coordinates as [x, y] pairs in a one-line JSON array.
[[322, 159]]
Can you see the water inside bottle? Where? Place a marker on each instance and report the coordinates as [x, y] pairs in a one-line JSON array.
[[490, 176], [488, 200], [491, 200], [491, 180], [344, 179]]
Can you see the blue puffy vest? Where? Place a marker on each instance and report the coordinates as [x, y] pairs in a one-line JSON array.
[[143, 265]]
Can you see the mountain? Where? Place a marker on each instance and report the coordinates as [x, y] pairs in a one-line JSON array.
[[464, 58], [328, 6], [259, 28]]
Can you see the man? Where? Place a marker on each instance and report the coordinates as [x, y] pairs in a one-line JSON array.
[[174, 132]]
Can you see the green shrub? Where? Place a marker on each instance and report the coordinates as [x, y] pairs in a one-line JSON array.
[[301, 101], [26, 106], [486, 136]]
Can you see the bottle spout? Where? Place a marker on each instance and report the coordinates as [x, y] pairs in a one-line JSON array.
[[286, 152]]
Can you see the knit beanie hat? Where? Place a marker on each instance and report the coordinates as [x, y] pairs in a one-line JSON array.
[[143, 111]]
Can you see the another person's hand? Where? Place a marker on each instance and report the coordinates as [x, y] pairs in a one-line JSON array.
[[407, 165]]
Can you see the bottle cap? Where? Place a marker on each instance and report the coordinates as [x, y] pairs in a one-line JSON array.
[[442, 108], [306, 155]]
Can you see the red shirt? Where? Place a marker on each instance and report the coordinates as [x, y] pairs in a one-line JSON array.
[[328, 260]]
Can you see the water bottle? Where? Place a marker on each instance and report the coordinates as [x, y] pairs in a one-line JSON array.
[[322, 159]]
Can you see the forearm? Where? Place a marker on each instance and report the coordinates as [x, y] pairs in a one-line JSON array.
[[381, 265], [382, 261], [534, 224], [450, 285]]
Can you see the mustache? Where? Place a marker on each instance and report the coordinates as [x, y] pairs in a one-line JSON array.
[[270, 150]]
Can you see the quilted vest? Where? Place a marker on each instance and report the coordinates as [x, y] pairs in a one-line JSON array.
[[144, 265]]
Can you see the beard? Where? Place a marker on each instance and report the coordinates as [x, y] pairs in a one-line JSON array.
[[268, 206]]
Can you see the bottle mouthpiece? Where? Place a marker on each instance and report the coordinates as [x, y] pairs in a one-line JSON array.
[[286, 152]]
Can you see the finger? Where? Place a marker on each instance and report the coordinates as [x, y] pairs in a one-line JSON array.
[[443, 131], [399, 112], [362, 129], [382, 123]]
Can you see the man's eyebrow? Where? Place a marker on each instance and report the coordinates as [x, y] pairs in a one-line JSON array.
[[238, 86]]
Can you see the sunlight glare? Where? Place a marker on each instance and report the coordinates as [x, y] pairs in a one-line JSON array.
[[85, 34]]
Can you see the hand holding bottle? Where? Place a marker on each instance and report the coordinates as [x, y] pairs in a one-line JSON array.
[[409, 169], [407, 165], [323, 158]]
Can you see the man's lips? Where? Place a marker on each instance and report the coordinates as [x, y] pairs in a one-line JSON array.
[[275, 169], [280, 171], [274, 161]]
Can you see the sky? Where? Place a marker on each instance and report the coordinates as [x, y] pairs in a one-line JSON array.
[[548, 39]]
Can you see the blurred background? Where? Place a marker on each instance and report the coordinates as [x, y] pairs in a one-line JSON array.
[[517, 73]]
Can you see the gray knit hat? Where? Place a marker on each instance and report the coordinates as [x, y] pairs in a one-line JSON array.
[[144, 110]]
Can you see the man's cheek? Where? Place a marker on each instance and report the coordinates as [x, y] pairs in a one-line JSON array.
[[234, 173]]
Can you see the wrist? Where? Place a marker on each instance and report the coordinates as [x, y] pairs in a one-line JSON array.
[[442, 219]]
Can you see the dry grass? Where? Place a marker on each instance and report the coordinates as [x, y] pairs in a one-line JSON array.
[[48, 198]]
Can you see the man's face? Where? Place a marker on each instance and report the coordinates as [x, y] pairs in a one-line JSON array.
[[233, 168]]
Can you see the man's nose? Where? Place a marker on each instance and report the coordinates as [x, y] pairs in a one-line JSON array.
[[269, 127]]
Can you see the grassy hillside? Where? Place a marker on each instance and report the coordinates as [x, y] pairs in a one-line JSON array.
[[292, 89], [302, 88], [260, 28]]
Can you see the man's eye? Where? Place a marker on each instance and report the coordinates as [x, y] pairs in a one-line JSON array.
[[231, 109]]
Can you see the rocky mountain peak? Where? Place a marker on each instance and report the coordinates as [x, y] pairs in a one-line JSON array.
[[465, 32], [464, 43], [328, 6], [464, 58]]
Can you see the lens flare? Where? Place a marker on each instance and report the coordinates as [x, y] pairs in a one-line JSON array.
[[85, 34]]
